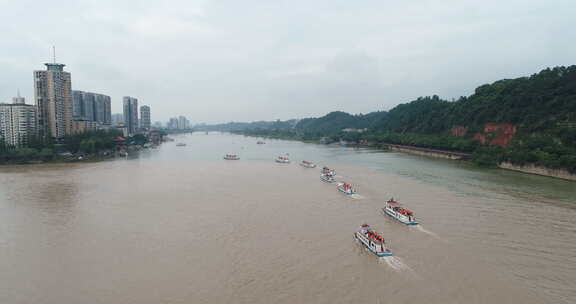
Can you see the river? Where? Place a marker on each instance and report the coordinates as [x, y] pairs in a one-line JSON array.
[[181, 225]]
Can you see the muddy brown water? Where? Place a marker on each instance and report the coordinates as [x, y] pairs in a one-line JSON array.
[[181, 225]]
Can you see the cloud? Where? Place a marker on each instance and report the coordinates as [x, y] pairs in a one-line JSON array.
[[222, 60]]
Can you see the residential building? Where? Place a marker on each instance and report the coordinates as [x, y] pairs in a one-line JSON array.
[[131, 114], [18, 99], [145, 118], [94, 107], [53, 99], [102, 111], [78, 105], [183, 123], [81, 126], [17, 122], [173, 123], [179, 123]]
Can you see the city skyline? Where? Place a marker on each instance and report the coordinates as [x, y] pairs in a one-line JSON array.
[[339, 56]]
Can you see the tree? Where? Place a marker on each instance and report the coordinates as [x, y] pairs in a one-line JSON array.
[[139, 139]]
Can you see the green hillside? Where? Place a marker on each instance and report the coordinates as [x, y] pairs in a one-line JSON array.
[[527, 120]]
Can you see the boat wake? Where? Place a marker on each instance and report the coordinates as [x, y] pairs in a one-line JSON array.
[[396, 264], [356, 196], [421, 229]]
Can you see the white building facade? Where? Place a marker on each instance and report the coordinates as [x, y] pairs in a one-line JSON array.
[[17, 123]]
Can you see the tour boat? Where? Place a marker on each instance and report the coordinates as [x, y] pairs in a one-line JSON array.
[[260, 142], [372, 241], [231, 157], [346, 188], [395, 210], [328, 171], [180, 144], [307, 164], [283, 159], [327, 178]]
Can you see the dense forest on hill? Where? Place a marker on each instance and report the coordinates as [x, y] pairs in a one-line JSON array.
[[534, 104], [538, 111], [334, 122]]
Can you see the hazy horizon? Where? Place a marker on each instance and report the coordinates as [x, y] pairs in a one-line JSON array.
[[216, 61]]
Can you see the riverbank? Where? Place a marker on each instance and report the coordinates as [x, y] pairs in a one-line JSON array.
[[73, 158], [538, 170], [62, 159], [529, 169], [453, 155], [429, 152]]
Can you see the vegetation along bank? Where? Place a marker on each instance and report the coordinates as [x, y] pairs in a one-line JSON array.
[[518, 124]]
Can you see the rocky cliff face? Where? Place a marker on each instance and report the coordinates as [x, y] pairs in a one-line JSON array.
[[499, 134]]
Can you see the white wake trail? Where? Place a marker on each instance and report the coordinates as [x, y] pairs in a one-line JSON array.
[[395, 263], [422, 229]]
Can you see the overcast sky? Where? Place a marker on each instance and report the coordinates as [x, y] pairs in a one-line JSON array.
[[243, 60]]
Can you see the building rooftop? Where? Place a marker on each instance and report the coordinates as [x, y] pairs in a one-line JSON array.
[[55, 66]]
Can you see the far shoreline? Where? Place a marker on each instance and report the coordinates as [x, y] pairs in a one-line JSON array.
[[446, 154]]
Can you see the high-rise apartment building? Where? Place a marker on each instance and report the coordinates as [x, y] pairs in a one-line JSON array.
[[130, 114], [183, 123], [53, 98], [145, 122], [179, 123], [17, 122], [92, 107], [102, 111], [173, 123], [78, 105]]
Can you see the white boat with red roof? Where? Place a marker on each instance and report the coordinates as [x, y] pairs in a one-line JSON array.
[[403, 215], [328, 171], [283, 159], [372, 241], [346, 188]]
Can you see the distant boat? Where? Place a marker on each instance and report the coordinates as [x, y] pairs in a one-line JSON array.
[[283, 159], [307, 164], [346, 188], [327, 178], [328, 171], [372, 241], [180, 144], [260, 142], [231, 157]]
